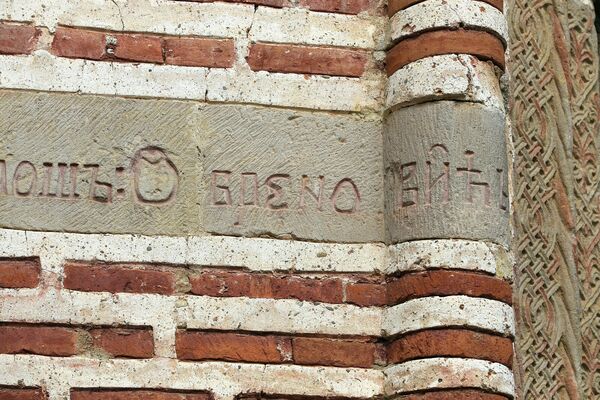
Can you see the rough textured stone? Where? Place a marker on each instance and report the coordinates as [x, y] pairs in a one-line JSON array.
[[132, 164], [166, 167], [290, 173], [446, 173]]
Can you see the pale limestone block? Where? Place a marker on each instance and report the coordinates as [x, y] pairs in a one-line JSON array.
[[451, 76], [435, 14], [447, 373], [226, 380], [436, 312]]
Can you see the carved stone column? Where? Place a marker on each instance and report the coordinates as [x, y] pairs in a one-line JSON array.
[[447, 203]]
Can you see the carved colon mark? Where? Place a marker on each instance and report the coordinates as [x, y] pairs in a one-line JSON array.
[[156, 179]]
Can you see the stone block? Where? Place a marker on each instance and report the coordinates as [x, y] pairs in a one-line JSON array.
[[162, 167], [446, 173]]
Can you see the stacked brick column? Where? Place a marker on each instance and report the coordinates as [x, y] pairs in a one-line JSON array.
[[447, 206]]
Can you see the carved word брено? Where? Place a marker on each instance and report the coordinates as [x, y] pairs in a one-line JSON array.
[[282, 192]]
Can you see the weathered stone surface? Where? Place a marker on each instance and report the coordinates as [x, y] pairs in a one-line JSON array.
[[291, 173], [95, 164], [446, 173]]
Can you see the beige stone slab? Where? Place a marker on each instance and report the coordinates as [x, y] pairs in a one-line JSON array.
[[292, 173], [96, 164], [92, 164], [446, 173]]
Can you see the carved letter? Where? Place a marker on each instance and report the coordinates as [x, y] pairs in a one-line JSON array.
[[444, 177], [21, 174], [503, 196], [155, 176], [276, 192], [96, 186], [46, 186], [346, 182], [470, 175], [413, 191], [254, 187], [224, 188], [3, 182], [305, 188]]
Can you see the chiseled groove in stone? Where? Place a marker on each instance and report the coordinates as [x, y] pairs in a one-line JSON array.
[[42, 71], [421, 255], [225, 380], [224, 251], [445, 373], [451, 311], [437, 14], [194, 312], [449, 76]]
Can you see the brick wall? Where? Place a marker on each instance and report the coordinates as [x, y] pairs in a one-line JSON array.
[[411, 315]]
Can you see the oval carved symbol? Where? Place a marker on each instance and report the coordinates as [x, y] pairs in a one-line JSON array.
[[155, 176]]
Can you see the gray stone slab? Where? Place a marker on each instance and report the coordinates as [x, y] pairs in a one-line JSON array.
[[98, 164], [292, 173], [446, 173]]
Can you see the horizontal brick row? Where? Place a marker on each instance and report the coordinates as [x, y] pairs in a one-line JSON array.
[[342, 352], [193, 345], [454, 394], [336, 289], [59, 341], [18, 39], [136, 394], [451, 343], [17, 393], [396, 5], [243, 347], [19, 273], [481, 44], [307, 59], [149, 48], [334, 6]]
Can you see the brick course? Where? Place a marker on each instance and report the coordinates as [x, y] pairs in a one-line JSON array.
[[18, 39], [16, 273], [135, 394], [15, 393], [307, 60]]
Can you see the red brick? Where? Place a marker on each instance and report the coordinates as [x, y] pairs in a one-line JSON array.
[[15, 273], [199, 52], [117, 279], [396, 5], [451, 343], [135, 394], [447, 283], [10, 393], [454, 394], [366, 294], [324, 290], [43, 340], [307, 60], [18, 39], [478, 43], [79, 43], [255, 285], [142, 48], [338, 6], [192, 345], [334, 352], [134, 343]]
